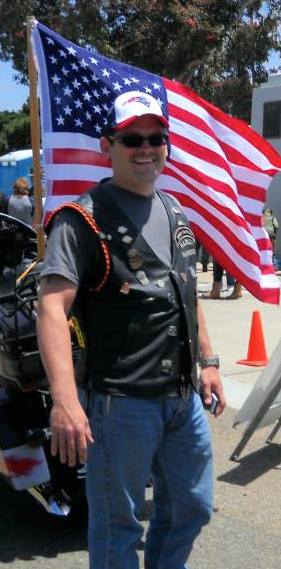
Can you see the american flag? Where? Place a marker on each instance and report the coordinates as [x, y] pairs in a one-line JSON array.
[[219, 168]]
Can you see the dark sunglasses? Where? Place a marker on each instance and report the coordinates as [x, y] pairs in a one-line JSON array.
[[135, 140]]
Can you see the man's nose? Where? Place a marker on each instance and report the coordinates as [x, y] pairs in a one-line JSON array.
[[146, 143]]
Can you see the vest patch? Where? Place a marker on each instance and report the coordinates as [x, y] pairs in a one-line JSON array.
[[185, 241]]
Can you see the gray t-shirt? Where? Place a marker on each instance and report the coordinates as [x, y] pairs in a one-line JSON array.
[[72, 249], [21, 208]]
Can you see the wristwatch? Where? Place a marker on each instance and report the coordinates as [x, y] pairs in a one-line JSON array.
[[210, 361]]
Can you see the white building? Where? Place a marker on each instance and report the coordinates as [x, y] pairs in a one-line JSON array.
[[266, 119]]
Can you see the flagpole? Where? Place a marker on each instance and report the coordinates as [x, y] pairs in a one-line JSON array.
[[35, 142]]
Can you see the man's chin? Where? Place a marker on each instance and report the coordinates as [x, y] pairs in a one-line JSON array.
[[147, 174]]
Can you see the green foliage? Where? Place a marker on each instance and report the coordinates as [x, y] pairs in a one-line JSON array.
[[15, 130], [228, 75], [219, 47]]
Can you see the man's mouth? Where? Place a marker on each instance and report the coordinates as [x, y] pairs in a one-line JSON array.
[[144, 160]]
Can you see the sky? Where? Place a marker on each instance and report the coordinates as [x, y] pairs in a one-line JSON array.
[[13, 94]]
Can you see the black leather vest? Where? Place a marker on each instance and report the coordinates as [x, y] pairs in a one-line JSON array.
[[141, 327]]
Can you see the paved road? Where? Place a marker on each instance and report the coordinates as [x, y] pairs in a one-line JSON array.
[[245, 531], [246, 527]]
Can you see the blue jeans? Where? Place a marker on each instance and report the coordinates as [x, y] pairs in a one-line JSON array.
[[135, 437]]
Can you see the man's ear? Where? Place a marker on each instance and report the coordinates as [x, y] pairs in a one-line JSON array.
[[168, 151], [105, 147]]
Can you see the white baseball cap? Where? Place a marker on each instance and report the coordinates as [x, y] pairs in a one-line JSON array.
[[131, 105]]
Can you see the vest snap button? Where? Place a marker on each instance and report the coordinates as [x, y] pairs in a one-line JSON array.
[[121, 229], [172, 331]]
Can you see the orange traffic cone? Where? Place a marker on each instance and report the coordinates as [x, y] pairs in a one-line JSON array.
[[257, 355]]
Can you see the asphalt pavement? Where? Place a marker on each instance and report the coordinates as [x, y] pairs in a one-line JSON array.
[[245, 531]]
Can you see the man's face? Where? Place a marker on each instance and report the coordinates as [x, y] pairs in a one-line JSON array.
[[136, 168]]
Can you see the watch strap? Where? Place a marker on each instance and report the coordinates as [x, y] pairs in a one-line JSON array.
[[210, 361]]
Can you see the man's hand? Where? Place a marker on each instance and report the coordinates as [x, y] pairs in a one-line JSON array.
[[71, 433], [210, 381]]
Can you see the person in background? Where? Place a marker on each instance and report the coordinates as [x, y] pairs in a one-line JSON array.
[[3, 203], [271, 225], [214, 294], [3, 209], [19, 204], [204, 256], [125, 254]]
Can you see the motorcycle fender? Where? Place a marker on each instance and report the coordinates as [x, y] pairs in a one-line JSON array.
[[24, 466]]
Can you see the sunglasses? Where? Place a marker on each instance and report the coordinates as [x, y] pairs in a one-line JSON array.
[[135, 140]]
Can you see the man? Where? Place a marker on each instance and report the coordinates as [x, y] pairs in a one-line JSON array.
[[132, 276], [271, 225], [18, 204]]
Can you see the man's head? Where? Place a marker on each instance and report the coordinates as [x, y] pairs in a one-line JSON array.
[[136, 140], [21, 187]]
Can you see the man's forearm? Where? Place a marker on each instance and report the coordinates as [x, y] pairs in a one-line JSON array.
[[55, 349], [203, 336], [71, 432]]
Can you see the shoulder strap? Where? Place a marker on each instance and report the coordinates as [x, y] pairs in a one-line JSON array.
[[89, 219]]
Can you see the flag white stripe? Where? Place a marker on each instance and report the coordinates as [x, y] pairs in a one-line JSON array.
[[52, 201], [71, 140], [243, 174], [249, 205], [82, 172]]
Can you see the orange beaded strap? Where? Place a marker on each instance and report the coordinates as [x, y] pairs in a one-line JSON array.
[[93, 225]]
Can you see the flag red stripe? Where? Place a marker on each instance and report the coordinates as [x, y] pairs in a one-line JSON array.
[[250, 191], [72, 187], [77, 156]]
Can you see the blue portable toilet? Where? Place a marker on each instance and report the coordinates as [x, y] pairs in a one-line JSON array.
[[12, 166]]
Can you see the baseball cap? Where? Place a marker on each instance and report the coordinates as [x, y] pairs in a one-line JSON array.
[[131, 105]]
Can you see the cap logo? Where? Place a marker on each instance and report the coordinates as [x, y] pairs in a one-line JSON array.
[[137, 99]]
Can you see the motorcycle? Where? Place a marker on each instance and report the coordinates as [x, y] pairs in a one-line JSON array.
[[25, 400]]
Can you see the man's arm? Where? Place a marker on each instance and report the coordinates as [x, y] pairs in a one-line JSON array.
[[210, 377], [71, 433]]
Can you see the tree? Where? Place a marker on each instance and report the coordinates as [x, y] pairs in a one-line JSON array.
[[163, 36], [74, 19], [229, 75], [218, 47], [15, 130]]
